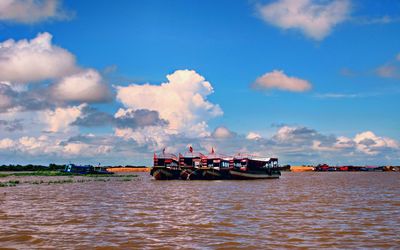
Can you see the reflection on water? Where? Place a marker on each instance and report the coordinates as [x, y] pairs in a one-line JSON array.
[[311, 210]]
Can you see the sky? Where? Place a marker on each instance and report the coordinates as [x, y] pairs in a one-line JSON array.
[[307, 81]]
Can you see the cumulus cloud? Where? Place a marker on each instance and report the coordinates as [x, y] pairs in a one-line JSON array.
[[15, 99], [253, 136], [30, 11], [277, 79], [49, 146], [124, 118], [182, 101], [84, 86], [369, 143], [59, 120], [291, 144], [34, 60], [6, 143], [293, 134], [344, 142], [315, 19], [222, 133]]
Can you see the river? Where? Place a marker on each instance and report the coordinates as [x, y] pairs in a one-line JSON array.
[[300, 210]]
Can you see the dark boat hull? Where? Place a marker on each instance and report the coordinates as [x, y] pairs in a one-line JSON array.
[[186, 173], [209, 174], [245, 175], [160, 173]]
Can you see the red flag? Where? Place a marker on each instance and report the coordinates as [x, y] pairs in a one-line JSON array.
[[212, 150], [154, 156], [190, 149]]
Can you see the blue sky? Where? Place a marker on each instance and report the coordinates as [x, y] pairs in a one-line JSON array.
[[312, 81]]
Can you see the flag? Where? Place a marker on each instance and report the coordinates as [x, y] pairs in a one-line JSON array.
[[212, 150], [190, 149], [163, 151]]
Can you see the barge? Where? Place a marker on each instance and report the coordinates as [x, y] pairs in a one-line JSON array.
[[166, 167], [252, 168]]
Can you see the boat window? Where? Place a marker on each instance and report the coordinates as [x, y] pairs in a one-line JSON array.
[[225, 164]]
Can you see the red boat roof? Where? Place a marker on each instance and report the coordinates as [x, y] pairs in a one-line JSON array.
[[254, 158], [190, 155], [217, 156], [166, 156]]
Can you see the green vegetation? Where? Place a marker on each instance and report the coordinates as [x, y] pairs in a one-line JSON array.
[[60, 181], [10, 183], [31, 167], [126, 179], [51, 167], [58, 173]]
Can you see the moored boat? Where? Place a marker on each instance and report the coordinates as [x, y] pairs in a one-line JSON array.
[[87, 169], [213, 167], [250, 167], [165, 167], [188, 163]]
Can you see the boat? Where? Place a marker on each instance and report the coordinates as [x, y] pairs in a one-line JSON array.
[[86, 169], [188, 163], [213, 167], [165, 167], [252, 167]]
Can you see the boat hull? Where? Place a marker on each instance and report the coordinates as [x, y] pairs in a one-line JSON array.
[[244, 175], [209, 174], [165, 173], [186, 173]]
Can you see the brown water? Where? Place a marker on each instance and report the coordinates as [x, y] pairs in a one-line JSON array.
[[309, 210]]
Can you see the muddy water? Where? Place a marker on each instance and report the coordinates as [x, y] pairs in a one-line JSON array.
[[310, 210]]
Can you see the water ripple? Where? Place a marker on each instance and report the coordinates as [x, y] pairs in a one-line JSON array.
[[301, 210]]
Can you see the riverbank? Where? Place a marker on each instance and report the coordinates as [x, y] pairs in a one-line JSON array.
[[11, 179], [327, 168]]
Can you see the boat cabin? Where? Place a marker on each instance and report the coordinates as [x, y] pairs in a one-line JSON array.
[[166, 160], [72, 168], [189, 160], [254, 163], [217, 161]]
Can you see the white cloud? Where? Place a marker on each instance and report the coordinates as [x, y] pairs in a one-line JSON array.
[[84, 86], [80, 149], [315, 19], [75, 148], [253, 136], [344, 142], [45, 146], [369, 143], [182, 101], [38, 59], [222, 132], [59, 120], [6, 143], [279, 80], [30, 11], [152, 137]]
